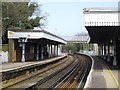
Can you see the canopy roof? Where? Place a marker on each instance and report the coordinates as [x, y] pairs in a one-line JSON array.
[[34, 34]]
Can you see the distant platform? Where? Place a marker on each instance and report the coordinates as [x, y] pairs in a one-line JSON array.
[[18, 65]]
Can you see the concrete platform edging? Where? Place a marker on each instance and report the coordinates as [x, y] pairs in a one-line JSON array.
[[33, 64], [89, 78], [18, 74]]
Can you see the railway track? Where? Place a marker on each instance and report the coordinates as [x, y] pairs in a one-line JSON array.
[[72, 77], [69, 73], [43, 74]]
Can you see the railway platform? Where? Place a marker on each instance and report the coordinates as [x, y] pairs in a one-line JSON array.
[[103, 76], [18, 65], [16, 72]]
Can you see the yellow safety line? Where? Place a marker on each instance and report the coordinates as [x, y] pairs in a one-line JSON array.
[[117, 82]]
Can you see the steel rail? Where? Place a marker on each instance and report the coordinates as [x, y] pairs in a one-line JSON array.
[[52, 65]]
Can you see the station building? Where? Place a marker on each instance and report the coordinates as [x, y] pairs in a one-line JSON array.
[[103, 26], [31, 45]]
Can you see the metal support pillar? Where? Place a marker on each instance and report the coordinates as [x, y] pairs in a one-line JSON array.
[[22, 41], [23, 52], [37, 53]]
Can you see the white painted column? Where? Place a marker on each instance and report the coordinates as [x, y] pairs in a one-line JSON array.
[[96, 49], [37, 53], [23, 52], [114, 60], [54, 50], [59, 50], [104, 51]]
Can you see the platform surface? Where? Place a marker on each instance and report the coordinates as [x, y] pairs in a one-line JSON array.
[[17, 65], [103, 77]]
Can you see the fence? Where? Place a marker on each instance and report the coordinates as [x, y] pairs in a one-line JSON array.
[[3, 57]]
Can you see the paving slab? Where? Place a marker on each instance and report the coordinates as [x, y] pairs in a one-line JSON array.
[[101, 76]]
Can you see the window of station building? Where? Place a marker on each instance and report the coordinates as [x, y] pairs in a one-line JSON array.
[[32, 49]]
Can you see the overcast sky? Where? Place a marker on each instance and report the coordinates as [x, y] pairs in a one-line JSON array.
[[66, 18]]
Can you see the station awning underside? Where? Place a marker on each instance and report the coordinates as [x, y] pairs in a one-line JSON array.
[[36, 36], [101, 34]]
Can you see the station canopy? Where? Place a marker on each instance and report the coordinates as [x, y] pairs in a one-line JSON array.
[[35, 35], [102, 24]]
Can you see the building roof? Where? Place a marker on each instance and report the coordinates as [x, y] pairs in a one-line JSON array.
[[96, 10], [33, 34]]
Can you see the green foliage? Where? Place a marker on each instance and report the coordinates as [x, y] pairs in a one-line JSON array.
[[30, 24], [4, 47], [71, 47], [17, 14], [76, 47]]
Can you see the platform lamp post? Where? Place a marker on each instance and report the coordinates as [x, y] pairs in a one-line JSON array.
[[22, 41]]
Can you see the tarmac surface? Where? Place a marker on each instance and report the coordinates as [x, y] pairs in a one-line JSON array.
[[103, 76]]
